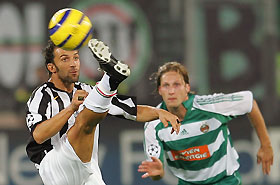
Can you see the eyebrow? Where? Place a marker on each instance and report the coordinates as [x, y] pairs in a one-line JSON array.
[[64, 55]]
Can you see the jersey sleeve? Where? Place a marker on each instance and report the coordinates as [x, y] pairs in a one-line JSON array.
[[38, 108], [152, 145], [124, 107], [233, 104]]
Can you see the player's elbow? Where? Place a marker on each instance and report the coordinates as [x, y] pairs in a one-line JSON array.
[[38, 138]]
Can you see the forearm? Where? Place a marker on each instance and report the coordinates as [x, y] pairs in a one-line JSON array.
[[146, 113], [52, 126], [258, 123]]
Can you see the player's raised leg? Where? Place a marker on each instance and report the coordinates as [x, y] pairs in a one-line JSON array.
[[81, 135]]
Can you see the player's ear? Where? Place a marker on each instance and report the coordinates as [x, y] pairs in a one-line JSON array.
[[51, 67], [188, 88]]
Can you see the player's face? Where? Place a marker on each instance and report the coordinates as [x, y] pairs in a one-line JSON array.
[[67, 65], [173, 89]]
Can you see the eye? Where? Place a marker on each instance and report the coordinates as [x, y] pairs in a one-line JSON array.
[[64, 59], [76, 58], [177, 84]]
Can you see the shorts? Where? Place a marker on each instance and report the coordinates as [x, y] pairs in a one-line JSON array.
[[61, 166]]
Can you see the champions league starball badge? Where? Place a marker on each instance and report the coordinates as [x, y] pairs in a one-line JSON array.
[[204, 128], [153, 149]]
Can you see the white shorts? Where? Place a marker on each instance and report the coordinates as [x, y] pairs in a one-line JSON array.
[[61, 166]]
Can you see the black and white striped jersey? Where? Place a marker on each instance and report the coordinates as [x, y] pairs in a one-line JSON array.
[[47, 100]]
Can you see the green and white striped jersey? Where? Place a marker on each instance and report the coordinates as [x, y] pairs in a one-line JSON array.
[[202, 153]]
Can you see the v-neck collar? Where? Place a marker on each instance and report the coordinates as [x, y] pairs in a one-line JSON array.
[[50, 84], [188, 104]]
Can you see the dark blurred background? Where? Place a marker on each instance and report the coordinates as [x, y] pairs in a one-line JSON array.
[[227, 46]]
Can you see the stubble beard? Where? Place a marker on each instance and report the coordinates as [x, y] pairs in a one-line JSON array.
[[67, 80]]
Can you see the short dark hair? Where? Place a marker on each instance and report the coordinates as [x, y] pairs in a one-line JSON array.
[[48, 53], [170, 66]]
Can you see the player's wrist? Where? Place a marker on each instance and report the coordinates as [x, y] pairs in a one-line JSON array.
[[72, 108]]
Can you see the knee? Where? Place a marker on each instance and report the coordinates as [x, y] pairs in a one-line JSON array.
[[87, 120]]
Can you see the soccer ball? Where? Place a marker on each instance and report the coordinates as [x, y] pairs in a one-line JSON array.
[[70, 29]]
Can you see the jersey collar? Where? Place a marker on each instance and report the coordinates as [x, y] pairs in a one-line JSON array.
[[188, 104]]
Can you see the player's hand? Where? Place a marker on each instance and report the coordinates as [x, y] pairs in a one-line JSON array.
[[78, 99], [265, 156], [166, 117], [152, 168]]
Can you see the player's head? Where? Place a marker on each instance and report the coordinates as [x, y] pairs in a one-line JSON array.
[[62, 63], [172, 82], [167, 67]]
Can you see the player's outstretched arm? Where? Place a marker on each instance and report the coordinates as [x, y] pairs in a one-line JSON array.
[[265, 153], [147, 113], [153, 169]]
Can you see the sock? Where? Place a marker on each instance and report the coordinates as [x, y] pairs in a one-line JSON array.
[[97, 101], [99, 98], [108, 84]]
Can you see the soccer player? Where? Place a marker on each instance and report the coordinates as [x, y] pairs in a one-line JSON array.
[[202, 152], [63, 115]]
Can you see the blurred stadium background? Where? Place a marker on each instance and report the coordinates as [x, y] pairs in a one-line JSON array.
[[227, 46]]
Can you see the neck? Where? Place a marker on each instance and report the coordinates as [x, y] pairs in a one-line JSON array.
[[65, 86], [178, 111]]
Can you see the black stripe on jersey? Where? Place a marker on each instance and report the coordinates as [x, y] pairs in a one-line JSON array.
[[46, 98], [125, 107], [60, 107], [78, 86], [34, 92]]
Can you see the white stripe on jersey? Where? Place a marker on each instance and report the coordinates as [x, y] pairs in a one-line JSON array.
[[232, 159], [193, 129]]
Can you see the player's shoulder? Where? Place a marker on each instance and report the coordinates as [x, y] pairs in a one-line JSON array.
[[152, 124], [41, 88], [39, 91], [220, 97]]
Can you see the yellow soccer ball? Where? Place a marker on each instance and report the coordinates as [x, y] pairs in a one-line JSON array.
[[70, 29]]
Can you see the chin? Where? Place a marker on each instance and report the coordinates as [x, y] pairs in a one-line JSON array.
[[76, 79], [173, 104]]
